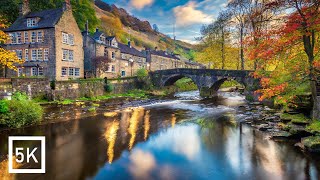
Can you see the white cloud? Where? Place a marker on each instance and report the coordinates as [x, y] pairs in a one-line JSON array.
[[140, 4], [188, 15]]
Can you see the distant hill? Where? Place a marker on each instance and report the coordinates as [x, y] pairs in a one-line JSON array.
[[117, 21]]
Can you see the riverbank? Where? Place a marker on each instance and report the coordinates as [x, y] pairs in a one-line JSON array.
[[281, 126]]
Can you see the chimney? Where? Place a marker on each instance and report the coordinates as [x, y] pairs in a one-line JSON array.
[[24, 8], [87, 27], [156, 48], [66, 5], [97, 29], [129, 44]]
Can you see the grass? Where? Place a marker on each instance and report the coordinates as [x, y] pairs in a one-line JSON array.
[[312, 142], [230, 83], [66, 102], [314, 127], [296, 118], [285, 127]]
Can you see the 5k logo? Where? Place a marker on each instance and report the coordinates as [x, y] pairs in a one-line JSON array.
[[27, 154]]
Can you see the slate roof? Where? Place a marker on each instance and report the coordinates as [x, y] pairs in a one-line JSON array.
[[97, 35], [110, 37], [164, 54], [48, 19], [133, 51]]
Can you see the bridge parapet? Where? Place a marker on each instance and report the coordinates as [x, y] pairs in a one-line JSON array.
[[207, 80]]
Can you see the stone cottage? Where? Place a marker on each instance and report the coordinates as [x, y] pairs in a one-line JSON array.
[[49, 41], [161, 60]]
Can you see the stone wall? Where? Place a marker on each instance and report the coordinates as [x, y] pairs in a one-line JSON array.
[[72, 89]]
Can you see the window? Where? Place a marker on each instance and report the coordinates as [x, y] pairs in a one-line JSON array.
[[13, 38], [46, 54], [70, 55], [65, 55], [113, 68], [113, 55], [64, 38], [105, 52], [40, 36], [26, 37], [64, 71], [33, 36], [123, 73], [32, 22], [19, 72], [77, 71], [19, 38], [26, 54], [34, 54], [71, 71], [19, 53], [108, 68], [39, 54], [123, 56], [40, 71], [34, 71], [71, 39]]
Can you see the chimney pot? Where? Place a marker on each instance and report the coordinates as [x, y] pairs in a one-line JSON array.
[[24, 8], [97, 29], [66, 5], [129, 44]]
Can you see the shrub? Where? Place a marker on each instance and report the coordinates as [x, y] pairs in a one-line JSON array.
[[21, 112], [108, 88], [142, 73]]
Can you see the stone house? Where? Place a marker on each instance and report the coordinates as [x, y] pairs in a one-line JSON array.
[[161, 60], [101, 55], [131, 60], [49, 41]]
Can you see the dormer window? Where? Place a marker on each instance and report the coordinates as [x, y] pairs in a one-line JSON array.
[[102, 38], [32, 22]]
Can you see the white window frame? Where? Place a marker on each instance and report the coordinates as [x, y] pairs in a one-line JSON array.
[[113, 55], [32, 22], [46, 54], [39, 36], [19, 72], [71, 55], [34, 54], [64, 38], [113, 68], [19, 37], [26, 54], [34, 71], [26, 37], [77, 72], [64, 71], [13, 38], [70, 39], [19, 53], [40, 54], [71, 71], [65, 54], [40, 71], [33, 37]]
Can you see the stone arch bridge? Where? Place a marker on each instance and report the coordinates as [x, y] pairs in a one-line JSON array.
[[208, 81]]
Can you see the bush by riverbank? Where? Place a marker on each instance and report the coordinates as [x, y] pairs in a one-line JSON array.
[[20, 111]]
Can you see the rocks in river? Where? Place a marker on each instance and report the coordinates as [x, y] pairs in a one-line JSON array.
[[255, 103], [281, 135], [312, 143]]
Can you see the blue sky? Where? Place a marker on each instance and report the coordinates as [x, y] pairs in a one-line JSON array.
[[187, 15]]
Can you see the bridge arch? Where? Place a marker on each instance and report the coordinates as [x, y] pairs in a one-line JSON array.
[[216, 85], [174, 78]]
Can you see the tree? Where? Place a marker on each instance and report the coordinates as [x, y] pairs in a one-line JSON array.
[[8, 59], [155, 28], [295, 46], [101, 64]]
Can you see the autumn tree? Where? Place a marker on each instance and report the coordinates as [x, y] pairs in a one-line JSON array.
[[101, 64], [294, 48], [8, 59]]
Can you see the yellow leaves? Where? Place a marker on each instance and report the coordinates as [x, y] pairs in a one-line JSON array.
[[9, 59]]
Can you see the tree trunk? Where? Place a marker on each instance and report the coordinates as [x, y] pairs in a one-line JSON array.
[[223, 49], [241, 48]]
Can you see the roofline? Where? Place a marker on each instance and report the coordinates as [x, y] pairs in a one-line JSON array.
[[28, 29]]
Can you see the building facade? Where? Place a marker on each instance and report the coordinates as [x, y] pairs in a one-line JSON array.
[[49, 41]]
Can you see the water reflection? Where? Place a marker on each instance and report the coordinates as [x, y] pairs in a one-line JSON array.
[[111, 136], [190, 140]]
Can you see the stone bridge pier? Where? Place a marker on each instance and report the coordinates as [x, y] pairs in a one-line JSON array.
[[208, 81]]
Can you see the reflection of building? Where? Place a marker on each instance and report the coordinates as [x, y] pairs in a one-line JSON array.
[[49, 41]]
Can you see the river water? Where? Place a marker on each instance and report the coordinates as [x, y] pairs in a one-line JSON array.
[[180, 138]]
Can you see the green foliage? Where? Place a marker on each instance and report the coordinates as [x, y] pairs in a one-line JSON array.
[[185, 84], [230, 83], [82, 10], [21, 112], [4, 107], [66, 102], [314, 127], [142, 73], [92, 109], [312, 142], [108, 87], [295, 118]]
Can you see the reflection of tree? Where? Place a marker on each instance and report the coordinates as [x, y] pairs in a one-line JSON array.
[[4, 168], [137, 115], [146, 124], [111, 136], [173, 120]]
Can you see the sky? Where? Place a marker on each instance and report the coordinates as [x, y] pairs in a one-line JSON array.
[[187, 16]]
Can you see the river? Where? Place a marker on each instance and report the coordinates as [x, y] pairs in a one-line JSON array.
[[180, 138]]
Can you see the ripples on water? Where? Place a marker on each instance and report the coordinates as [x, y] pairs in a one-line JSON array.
[[184, 138]]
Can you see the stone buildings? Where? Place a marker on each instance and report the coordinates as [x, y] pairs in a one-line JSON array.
[[105, 57], [49, 41]]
